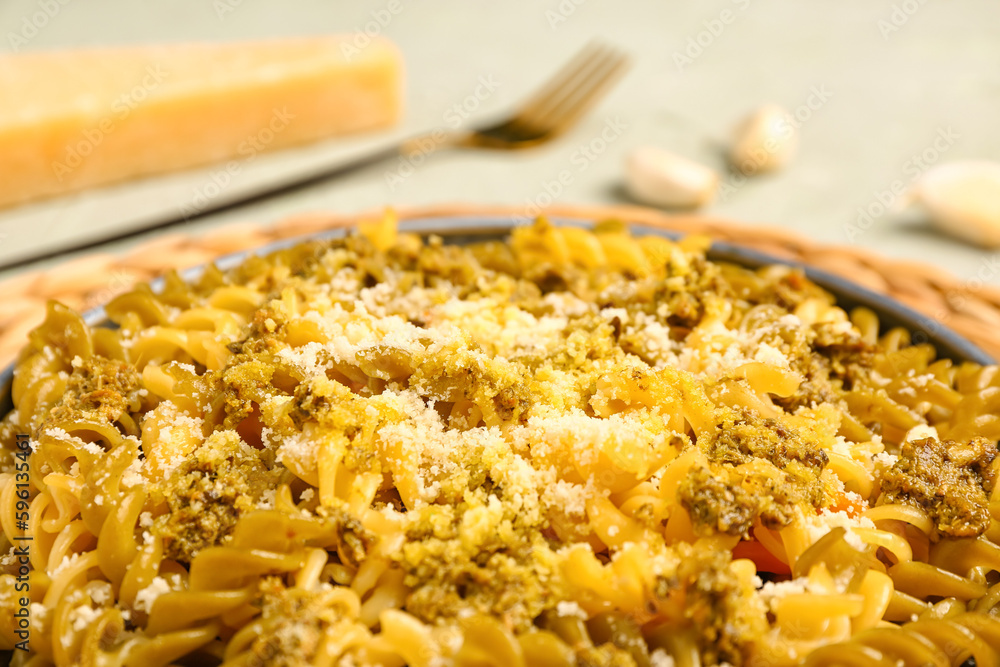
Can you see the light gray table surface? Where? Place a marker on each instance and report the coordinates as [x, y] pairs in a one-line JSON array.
[[883, 89]]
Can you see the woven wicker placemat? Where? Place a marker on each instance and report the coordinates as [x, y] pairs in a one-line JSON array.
[[90, 280]]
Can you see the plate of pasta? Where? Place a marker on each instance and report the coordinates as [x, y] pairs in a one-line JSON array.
[[464, 443]]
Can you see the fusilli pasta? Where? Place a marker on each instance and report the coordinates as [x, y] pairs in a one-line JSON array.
[[577, 447]]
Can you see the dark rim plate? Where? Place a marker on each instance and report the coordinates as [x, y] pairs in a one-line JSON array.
[[466, 229]]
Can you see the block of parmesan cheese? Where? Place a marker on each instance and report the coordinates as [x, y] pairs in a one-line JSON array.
[[76, 119]]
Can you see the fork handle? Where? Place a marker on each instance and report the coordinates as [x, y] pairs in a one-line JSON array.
[[421, 144], [409, 149]]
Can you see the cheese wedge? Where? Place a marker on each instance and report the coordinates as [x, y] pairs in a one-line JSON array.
[[76, 119]]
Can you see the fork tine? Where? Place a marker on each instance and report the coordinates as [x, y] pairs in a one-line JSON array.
[[561, 80], [567, 105], [557, 104], [570, 112], [581, 70]]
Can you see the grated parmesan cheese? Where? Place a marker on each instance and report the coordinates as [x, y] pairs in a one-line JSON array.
[[660, 658], [569, 608], [885, 460], [771, 356], [773, 591], [819, 525], [145, 598], [133, 476], [920, 432], [66, 562], [83, 616]]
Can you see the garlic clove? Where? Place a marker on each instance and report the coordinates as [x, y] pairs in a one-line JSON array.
[[661, 178], [962, 199], [764, 141]]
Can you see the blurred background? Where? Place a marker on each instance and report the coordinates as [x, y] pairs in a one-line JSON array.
[[881, 90]]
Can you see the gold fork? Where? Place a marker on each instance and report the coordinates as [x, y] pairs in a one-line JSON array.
[[551, 111]]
